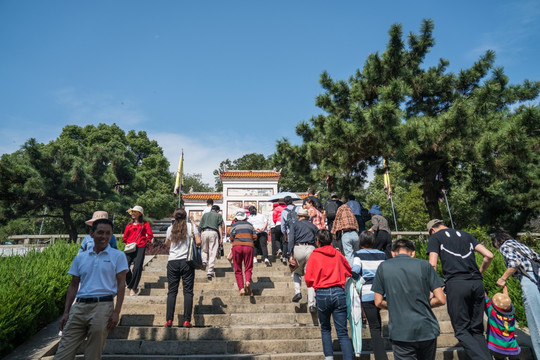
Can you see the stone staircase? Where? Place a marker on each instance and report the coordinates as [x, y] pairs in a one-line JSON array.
[[266, 325]]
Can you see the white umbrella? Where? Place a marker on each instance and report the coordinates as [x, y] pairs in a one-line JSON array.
[[281, 195]]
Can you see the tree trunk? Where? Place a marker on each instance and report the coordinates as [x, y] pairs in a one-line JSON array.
[[431, 197], [68, 222]]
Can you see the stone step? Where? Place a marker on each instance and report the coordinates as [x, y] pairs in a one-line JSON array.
[[442, 354], [244, 346], [201, 277], [229, 284], [223, 266], [208, 300], [229, 291], [235, 319], [219, 307], [265, 332]]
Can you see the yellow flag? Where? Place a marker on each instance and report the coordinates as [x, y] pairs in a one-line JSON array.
[[387, 187], [179, 183]]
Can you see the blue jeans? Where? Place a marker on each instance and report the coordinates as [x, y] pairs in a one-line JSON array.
[[531, 303], [333, 301], [350, 240]]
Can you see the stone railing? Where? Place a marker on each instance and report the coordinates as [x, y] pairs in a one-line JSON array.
[[28, 240]]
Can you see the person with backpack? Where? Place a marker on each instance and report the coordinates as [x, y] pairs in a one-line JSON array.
[[330, 210], [346, 228], [356, 208], [288, 217], [383, 235], [301, 245], [523, 263]]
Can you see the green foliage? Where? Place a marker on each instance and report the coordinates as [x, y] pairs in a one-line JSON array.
[[472, 128], [411, 211], [32, 292], [83, 170], [194, 182], [296, 174], [251, 161]]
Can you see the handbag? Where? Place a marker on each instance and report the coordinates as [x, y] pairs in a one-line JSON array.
[[194, 253], [131, 247]]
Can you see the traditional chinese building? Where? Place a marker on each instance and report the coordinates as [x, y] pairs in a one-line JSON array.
[[240, 188]]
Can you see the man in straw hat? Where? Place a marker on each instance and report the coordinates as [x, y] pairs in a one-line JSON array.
[[88, 243]]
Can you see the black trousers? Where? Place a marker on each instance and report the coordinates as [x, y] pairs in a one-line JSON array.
[[261, 245], [137, 259], [277, 240], [421, 350], [176, 270], [465, 304], [383, 242], [373, 315]]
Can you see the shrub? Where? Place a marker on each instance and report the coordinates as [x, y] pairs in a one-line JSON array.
[[32, 291]]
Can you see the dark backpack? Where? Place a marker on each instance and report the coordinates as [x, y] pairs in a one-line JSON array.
[[331, 208], [292, 217], [364, 213]]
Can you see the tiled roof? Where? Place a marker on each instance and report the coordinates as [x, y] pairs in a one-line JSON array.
[[257, 174], [202, 196]]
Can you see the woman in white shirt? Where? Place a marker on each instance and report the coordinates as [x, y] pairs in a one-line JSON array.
[[178, 237], [260, 224]]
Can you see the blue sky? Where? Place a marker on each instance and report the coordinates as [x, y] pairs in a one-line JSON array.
[[220, 78]]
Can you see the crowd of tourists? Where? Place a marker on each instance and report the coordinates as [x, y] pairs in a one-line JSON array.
[[350, 272]]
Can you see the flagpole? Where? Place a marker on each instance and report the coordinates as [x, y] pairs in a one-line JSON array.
[[393, 211], [43, 220], [179, 180], [388, 190], [448, 207]]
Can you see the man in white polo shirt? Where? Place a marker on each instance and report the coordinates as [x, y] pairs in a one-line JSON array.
[[101, 274]]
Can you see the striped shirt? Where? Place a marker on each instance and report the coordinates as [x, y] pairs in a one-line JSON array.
[[365, 264], [500, 330], [243, 233]]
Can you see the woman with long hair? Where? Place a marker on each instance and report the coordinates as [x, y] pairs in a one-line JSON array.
[[178, 237], [137, 231]]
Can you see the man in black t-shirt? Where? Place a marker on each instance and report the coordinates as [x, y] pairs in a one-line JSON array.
[[464, 287]]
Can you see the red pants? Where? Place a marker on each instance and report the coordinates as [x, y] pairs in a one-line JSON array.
[[242, 254]]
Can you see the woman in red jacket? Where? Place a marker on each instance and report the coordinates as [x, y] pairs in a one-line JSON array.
[[326, 271], [137, 231]]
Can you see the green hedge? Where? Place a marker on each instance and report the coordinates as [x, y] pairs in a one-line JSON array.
[[495, 270], [32, 292]]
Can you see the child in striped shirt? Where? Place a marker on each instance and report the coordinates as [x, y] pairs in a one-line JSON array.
[[501, 326]]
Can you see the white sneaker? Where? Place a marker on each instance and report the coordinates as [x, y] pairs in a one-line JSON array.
[[267, 262], [255, 260]]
